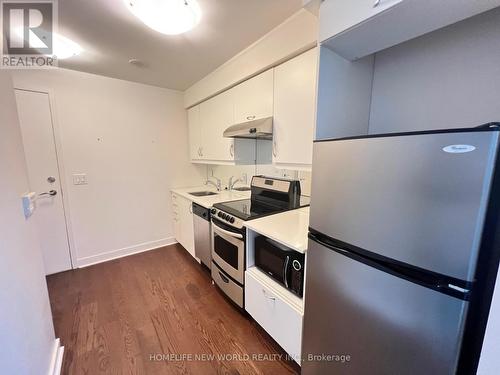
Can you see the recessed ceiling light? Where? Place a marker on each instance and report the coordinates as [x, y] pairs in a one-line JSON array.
[[169, 17]]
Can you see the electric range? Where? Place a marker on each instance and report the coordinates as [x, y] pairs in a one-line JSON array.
[[269, 196]]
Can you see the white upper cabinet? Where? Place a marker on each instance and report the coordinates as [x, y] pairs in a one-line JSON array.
[[337, 16], [253, 99], [195, 132], [295, 109], [216, 115], [358, 28]]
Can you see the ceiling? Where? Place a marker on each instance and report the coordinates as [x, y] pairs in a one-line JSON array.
[[110, 36]]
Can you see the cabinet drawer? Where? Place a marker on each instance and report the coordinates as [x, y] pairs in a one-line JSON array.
[[282, 321], [233, 290]]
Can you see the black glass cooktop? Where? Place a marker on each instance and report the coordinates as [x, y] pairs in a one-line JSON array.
[[248, 209]]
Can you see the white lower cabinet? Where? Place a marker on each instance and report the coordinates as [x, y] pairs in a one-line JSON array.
[[183, 222], [275, 311]]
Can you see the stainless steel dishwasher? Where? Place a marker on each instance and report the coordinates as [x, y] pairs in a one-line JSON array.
[[202, 242]]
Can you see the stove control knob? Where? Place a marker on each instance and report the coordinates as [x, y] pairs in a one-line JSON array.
[[231, 220], [228, 217], [213, 211], [219, 214], [224, 216]]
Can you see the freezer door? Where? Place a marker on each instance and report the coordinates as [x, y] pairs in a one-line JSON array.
[[386, 325], [419, 199]]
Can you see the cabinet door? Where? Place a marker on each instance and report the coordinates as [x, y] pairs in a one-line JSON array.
[[295, 109], [195, 135], [253, 99], [216, 115], [176, 217], [275, 315], [337, 16], [187, 227]]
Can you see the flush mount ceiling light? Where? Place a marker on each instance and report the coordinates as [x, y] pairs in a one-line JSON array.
[[169, 17]]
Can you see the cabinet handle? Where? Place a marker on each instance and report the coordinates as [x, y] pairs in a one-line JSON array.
[[268, 297], [201, 151], [275, 154], [231, 150], [253, 117], [376, 3], [190, 208]]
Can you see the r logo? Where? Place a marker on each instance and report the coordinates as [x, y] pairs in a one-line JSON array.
[[27, 27]]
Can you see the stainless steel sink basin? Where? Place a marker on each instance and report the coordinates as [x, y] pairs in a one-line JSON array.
[[203, 193], [243, 188]]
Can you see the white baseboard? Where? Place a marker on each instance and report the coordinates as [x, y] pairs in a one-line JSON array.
[[57, 358], [114, 254]]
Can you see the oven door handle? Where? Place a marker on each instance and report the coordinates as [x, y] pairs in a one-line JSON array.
[[223, 231]]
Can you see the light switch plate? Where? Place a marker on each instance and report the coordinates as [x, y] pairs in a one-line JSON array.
[[80, 179]]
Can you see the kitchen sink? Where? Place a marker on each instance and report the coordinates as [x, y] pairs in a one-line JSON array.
[[203, 193]]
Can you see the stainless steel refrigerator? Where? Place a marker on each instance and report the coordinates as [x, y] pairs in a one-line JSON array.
[[403, 252]]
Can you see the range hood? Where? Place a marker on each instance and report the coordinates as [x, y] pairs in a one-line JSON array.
[[258, 129]]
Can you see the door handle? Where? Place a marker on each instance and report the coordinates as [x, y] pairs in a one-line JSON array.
[[49, 193], [285, 270], [223, 231]]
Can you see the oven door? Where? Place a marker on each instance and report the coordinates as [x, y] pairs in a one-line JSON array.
[[228, 250]]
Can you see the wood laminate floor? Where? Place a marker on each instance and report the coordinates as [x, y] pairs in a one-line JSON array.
[[127, 315]]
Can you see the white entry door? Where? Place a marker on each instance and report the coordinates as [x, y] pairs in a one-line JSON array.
[[37, 131]]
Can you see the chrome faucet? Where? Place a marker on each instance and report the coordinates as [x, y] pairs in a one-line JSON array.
[[232, 183], [217, 185]]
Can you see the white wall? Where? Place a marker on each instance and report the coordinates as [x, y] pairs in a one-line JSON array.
[[26, 331], [446, 79], [132, 142], [294, 36]]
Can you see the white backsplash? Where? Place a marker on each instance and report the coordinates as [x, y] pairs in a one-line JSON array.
[[224, 172]]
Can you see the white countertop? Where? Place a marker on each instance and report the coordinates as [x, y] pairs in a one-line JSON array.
[[209, 200], [288, 228]]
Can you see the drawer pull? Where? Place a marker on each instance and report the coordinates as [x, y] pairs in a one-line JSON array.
[[267, 296], [224, 278]]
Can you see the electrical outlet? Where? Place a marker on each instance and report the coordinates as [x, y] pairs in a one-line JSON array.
[[80, 179]]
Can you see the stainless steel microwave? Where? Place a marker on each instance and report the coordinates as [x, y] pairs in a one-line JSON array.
[[284, 265]]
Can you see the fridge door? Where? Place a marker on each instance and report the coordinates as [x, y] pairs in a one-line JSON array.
[[385, 324], [419, 199]]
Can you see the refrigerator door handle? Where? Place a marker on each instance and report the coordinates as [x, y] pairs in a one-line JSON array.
[[432, 280]]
